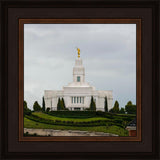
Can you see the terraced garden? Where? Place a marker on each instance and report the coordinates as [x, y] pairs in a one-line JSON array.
[[84, 121]]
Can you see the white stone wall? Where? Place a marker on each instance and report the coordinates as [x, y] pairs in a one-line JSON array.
[[99, 97]]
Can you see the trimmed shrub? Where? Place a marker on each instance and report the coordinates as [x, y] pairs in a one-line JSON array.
[[48, 109]]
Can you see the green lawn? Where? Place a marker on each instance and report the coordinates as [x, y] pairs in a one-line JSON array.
[[127, 115], [46, 116], [111, 129]]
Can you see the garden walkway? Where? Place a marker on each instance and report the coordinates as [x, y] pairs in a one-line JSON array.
[[52, 132]]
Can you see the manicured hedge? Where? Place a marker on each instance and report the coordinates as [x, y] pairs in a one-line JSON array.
[[111, 119], [90, 114], [74, 123], [73, 114], [80, 114]]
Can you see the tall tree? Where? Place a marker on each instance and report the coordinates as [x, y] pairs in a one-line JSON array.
[[26, 111], [63, 103], [106, 105], [58, 105], [129, 103], [116, 107], [25, 105], [43, 104], [130, 108], [92, 105], [36, 106]]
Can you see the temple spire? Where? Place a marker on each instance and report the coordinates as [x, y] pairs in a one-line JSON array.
[[78, 52]]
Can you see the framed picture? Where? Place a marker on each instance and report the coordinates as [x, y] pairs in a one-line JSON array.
[[77, 116], [80, 78]]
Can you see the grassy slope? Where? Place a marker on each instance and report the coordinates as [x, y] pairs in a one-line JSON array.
[[112, 129], [46, 116]]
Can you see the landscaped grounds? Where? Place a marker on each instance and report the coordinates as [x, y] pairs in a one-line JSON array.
[[91, 121]]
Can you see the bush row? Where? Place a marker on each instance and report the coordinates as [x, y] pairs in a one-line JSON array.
[[89, 114], [80, 114], [74, 123], [73, 114]]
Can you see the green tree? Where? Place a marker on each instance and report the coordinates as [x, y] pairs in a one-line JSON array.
[[25, 105], [106, 105], [122, 111], [129, 103], [92, 105], [27, 111], [130, 108], [36, 106], [116, 107], [60, 105], [64, 106], [43, 104]]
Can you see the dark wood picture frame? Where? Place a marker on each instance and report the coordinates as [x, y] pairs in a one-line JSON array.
[[146, 146]]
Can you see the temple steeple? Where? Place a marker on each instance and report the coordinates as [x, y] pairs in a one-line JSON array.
[[78, 70], [77, 94]]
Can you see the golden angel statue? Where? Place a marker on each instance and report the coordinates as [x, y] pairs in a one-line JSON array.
[[78, 52]]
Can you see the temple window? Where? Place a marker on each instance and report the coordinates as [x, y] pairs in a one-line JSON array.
[[78, 79]]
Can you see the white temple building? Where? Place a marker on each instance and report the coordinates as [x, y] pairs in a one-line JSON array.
[[77, 94]]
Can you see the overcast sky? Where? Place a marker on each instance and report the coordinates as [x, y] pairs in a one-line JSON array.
[[108, 52]]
